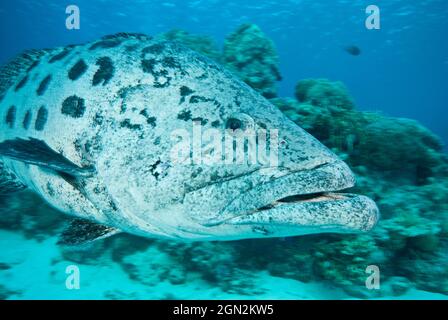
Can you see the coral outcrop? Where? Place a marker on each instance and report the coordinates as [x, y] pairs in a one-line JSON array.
[[200, 43], [253, 57]]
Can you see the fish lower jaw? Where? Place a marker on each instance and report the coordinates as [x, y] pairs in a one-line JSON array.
[[319, 212], [311, 197]]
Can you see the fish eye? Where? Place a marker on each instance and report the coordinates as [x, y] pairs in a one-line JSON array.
[[234, 124], [240, 121]]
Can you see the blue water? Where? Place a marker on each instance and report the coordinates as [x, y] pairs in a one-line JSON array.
[[402, 70]]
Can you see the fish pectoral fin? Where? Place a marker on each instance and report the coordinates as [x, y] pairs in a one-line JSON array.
[[9, 182], [37, 152], [81, 232]]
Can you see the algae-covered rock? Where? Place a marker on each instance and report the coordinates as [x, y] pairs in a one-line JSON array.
[[152, 266], [200, 43], [252, 56], [343, 260], [324, 93], [26, 212], [403, 148], [399, 145], [429, 271]]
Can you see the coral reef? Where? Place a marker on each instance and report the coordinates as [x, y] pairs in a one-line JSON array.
[[252, 56], [324, 93], [203, 44], [247, 52], [398, 163], [401, 165], [26, 212]]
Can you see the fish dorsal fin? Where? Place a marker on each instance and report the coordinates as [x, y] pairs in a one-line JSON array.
[[37, 152], [81, 232], [126, 35], [18, 66]]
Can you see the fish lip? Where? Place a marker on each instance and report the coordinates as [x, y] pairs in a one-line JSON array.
[[361, 215], [329, 177]]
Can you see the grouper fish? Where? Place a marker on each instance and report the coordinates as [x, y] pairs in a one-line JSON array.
[[89, 129]]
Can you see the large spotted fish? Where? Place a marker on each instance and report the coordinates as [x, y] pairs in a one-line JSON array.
[[89, 128]]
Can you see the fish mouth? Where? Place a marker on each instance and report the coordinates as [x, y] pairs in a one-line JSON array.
[[315, 213], [312, 200]]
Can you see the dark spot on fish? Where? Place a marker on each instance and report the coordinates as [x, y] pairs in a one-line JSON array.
[[43, 85], [184, 91], [202, 76], [197, 99], [77, 70], [201, 120], [154, 49], [148, 65], [170, 62], [196, 173], [27, 120], [157, 141], [144, 113], [184, 115], [105, 72], [216, 124], [50, 190], [33, 65], [127, 124], [153, 169], [61, 55], [237, 101], [131, 48], [157, 83], [262, 125], [11, 116], [113, 205], [214, 176], [353, 50], [149, 120], [41, 119], [98, 189], [73, 106], [21, 84], [106, 44], [98, 119]]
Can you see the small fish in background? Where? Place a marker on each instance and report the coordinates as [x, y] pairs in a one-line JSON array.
[[353, 50]]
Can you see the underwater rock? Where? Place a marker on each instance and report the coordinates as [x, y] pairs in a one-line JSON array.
[[26, 212], [216, 263], [396, 286], [347, 267], [398, 163], [153, 266], [252, 56], [119, 295], [200, 43], [402, 146], [324, 93], [429, 271], [399, 147]]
